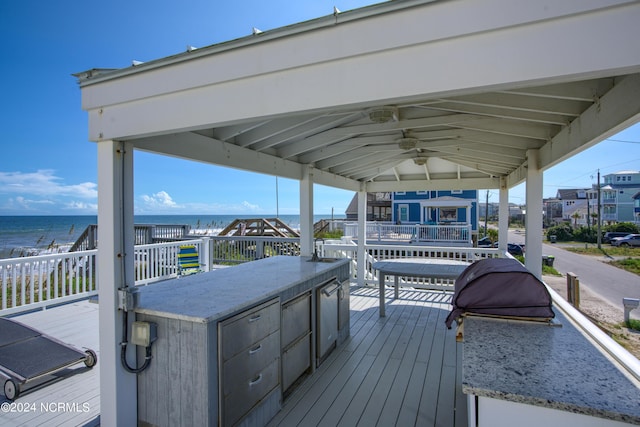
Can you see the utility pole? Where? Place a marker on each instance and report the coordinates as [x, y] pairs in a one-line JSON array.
[[599, 215], [486, 215]]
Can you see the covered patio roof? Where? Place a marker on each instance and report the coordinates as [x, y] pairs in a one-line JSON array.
[[398, 96]]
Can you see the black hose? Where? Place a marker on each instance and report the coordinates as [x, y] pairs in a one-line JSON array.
[[123, 350]]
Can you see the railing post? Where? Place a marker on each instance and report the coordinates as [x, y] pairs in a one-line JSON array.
[[573, 290], [206, 254], [259, 248]]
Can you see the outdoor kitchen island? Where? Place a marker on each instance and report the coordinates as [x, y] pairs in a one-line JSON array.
[[233, 341], [519, 373]]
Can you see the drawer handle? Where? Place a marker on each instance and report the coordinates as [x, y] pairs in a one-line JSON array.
[[255, 350], [255, 318], [255, 381]]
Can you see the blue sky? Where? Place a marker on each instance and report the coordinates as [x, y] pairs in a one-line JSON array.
[[48, 166]]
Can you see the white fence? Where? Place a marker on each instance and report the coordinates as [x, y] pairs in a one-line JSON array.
[[456, 234], [232, 250], [38, 281], [345, 249], [159, 261], [34, 282], [29, 283]]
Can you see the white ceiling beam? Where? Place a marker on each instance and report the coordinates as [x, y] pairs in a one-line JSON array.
[[439, 184], [337, 134], [338, 148], [447, 145], [200, 148], [476, 156], [426, 170], [502, 113], [588, 90], [481, 136], [510, 128], [522, 103], [271, 128], [615, 111], [304, 129], [228, 132]]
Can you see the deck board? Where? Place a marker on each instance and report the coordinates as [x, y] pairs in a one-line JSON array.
[[402, 369], [397, 370], [75, 324]]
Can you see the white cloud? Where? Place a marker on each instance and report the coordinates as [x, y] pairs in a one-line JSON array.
[[251, 207], [44, 182], [159, 200], [20, 202], [81, 206]]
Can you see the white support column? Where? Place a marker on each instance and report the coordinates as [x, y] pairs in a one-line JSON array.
[[533, 219], [468, 210], [306, 213], [118, 388], [362, 235], [503, 216]]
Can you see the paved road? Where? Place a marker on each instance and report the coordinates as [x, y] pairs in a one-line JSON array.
[[610, 283]]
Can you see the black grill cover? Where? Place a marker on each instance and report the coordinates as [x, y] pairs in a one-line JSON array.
[[500, 286]]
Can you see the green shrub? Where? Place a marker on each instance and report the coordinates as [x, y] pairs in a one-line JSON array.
[[563, 232], [585, 234], [622, 227]]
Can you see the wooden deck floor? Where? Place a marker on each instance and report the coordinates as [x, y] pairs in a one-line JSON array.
[[400, 370], [71, 398]]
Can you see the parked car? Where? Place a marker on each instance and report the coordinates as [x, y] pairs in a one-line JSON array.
[[485, 242], [512, 248], [628, 240], [609, 235], [515, 249]]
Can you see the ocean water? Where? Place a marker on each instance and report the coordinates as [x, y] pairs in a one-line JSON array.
[[32, 235]]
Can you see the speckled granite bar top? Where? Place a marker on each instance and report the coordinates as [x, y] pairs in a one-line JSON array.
[[204, 297], [550, 366]]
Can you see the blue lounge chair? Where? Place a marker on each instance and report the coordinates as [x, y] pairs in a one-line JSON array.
[[188, 260]]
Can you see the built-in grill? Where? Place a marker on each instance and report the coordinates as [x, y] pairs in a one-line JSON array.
[[500, 287]]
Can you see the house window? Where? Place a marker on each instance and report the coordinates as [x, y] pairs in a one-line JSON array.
[[403, 213], [448, 214], [456, 191], [401, 193], [422, 192]]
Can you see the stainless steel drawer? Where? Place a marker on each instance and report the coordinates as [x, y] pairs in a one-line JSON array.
[[250, 392], [296, 319], [296, 360], [246, 329], [247, 364]]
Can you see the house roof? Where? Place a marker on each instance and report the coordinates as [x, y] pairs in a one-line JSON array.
[[391, 97], [572, 194]]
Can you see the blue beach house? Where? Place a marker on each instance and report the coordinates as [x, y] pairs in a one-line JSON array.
[[451, 207]]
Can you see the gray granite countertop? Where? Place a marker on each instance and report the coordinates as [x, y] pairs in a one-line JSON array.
[[551, 366], [213, 295]]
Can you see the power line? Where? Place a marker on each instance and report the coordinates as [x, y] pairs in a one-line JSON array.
[[622, 140]]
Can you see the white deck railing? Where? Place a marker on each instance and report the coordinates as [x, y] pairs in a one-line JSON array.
[[380, 252], [230, 250], [431, 234], [38, 281], [29, 283], [34, 282], [159, 261]]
